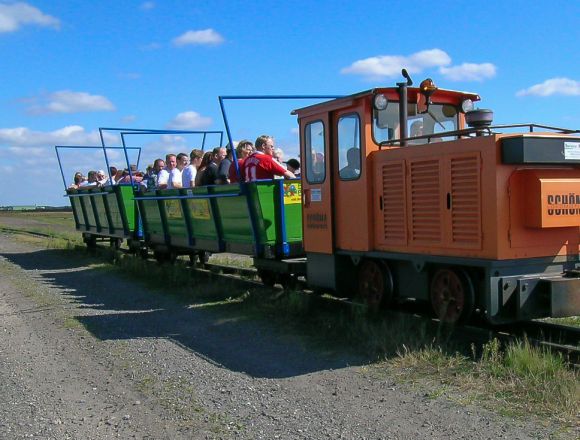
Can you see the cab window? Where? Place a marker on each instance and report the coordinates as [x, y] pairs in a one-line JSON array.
[[349, 154], [314, 142], [440, 118], [386, 123]]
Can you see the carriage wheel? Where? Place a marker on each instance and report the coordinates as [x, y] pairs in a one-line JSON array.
[[204, 259], [90, 241], [268, 277], [162, 257], [375, 284], [452, 295]]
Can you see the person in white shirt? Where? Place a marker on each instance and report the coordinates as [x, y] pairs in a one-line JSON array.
[[182, 160], [101, 178], [163, 177], [190, 172], [91, 180]]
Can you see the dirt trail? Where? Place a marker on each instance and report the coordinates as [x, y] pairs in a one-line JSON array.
[[87, 354]]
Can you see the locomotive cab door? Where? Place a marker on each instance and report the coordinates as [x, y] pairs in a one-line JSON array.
[[351, 210], [317, 196]]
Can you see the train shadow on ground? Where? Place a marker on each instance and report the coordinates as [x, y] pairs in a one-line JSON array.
[[114, 307]]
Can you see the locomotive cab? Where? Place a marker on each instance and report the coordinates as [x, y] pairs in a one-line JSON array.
[[401, 199]]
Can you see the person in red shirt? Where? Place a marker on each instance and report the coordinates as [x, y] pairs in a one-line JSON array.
[[243, 150], [261, 164]]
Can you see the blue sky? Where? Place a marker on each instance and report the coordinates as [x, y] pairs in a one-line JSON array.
[[69, 67]]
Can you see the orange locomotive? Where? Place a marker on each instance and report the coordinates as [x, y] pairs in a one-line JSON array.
[[410, 193]]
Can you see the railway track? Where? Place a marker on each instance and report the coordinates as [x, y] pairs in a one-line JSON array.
[[553, 337]]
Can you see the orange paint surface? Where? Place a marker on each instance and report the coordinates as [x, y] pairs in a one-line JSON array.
[[552, 203]]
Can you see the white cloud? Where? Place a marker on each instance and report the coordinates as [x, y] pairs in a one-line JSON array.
[[67, 101], [15, 15], [189, 120], [389, 66], [128, 119], [35, 149], [553, 86], [146, 6], [24, 141], [204, 37], [168, 143], [469, 72]]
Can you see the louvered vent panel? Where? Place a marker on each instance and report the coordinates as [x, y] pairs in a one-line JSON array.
[[466, 203], [425, 201], [394, 203]]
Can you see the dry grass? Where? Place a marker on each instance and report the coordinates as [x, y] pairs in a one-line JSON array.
[[517, 381]]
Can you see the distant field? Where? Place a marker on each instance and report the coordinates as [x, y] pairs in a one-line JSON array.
[[53, 223]]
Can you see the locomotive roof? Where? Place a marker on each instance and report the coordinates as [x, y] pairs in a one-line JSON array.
[[392, 94]]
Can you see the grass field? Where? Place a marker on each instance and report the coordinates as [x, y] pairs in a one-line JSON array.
[[517, 381]]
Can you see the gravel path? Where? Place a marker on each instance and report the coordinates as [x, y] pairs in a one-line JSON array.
[[145, 365]]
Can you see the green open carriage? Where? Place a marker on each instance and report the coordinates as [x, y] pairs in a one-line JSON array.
[[260, 219], [107, 212]]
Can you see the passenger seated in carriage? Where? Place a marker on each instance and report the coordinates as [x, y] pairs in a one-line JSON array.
[[78, 179], [243, 150], [261, 164], [205, 161], [189, 173]]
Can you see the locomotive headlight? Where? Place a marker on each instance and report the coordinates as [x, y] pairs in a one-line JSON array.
[[380, 102], [466, 105]]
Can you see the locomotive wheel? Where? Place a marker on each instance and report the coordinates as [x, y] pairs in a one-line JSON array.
[[452, 295], [375, 284]]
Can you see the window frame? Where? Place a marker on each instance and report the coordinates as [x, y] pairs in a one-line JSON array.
[[308, 153], [338, 150]]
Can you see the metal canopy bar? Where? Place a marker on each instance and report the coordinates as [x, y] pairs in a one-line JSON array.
[[466, 132], [77, 147], [253, 220], [203, 132], [125, 130], [258, 97]]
